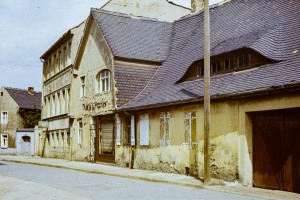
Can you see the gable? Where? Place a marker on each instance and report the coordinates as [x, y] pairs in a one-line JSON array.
[[130, 38]]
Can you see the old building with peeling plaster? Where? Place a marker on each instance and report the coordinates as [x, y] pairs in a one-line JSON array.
[[137, 93]]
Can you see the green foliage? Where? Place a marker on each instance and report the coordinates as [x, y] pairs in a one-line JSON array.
[[30, 117]]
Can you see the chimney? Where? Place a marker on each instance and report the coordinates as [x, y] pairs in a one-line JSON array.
[[31, 90], [197, 5]]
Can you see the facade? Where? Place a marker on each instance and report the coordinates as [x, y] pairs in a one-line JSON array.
[[157, 122], [58, 64], [136, 93], [19, 109]]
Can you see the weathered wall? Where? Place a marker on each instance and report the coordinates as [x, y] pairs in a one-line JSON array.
[[179, 157], [96, 57], [7, 104], [25, 148], [59, 85], [162, 10]]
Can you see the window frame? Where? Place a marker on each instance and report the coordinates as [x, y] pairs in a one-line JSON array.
[[80, 132], [103, 81], [4, 121], [4, 145], [165, 118], [190, 135], [82, 87]]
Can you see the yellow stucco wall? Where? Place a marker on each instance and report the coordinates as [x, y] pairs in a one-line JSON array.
[[231, 138]]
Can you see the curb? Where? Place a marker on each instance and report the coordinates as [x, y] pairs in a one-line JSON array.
[[109, 174]]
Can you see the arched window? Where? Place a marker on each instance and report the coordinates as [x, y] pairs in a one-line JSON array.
[[103, 81]]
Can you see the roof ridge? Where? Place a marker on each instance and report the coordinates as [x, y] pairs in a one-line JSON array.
[[19, 89], [99, 10]]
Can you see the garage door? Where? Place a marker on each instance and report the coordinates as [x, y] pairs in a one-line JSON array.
[[276, 150]]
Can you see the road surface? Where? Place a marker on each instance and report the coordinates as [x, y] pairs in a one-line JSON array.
[[24, 181]]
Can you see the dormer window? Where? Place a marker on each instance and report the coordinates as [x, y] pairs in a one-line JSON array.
[[216, 66], [243, 60], [228, 62]]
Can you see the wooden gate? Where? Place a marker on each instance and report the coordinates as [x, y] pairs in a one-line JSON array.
[[276, 152]]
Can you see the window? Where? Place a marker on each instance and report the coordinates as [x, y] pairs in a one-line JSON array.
[[144, 129], [65, 57], [4, 117], [4, 141], [243, 60], [130, 130], [119, 131], [229, 63], [103, 81], [82, 86], [190, 129], [68, 139], [216, 67], [165, 129], [79, 132]]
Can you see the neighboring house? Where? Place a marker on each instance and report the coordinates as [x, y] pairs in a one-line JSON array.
[[158, 9], [58, 64], [137, 93], [19, 109]]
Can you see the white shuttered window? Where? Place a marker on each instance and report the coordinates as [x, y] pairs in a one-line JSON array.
[[132, 130], [144, 129], [119, 126]]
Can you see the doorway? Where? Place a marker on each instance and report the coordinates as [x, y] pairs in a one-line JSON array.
[[276, 152], [105, 137]]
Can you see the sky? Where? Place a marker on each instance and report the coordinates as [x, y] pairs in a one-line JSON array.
[[29, 27]]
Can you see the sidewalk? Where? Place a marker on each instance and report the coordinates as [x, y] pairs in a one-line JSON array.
[[153, 176]]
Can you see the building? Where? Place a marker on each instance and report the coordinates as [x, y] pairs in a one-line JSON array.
[[138, 94], [19, 109], [58, 63], [255, 99]]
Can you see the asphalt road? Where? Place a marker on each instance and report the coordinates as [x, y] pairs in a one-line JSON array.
[[24, 181]]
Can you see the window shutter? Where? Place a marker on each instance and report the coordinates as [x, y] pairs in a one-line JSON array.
[[132, 129], [119, 125], [144, 129]]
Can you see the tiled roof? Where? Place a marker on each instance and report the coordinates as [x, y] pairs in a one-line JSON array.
[[131, 38], [24, 99], [131, 78], [271, 28]]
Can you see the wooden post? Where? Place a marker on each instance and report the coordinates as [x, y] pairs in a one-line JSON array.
[[207, 168]]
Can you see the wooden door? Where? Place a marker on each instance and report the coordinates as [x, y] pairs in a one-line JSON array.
[[291, 168], [267, 150], [276, 150]]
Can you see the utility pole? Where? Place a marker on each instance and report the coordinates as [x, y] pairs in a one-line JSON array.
[[207, 168]]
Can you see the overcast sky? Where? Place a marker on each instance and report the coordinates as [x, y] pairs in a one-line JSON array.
[[29, 27]]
